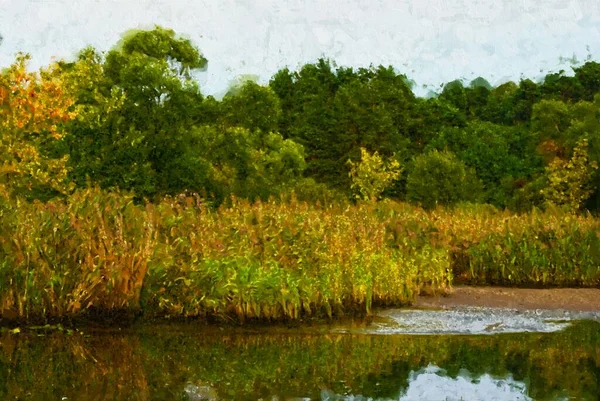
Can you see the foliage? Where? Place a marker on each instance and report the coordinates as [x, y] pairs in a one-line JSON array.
[[333, 113], [441, 178], [270, 260], [588, 76], [274, 260], [244, 163], [308, 190], [283, 260], [64, 257], [371, 176], [134, 119], [140, 103], [496, 152], [570, 181], [251, 106], [33, 110]]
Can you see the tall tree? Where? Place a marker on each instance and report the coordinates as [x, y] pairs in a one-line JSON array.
[[251, 106], [139, 145], [588, 76]]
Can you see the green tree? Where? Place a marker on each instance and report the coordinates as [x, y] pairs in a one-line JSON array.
[[251, 106], [441, 178], [500, 104], [498, 153], [308, 118], [477, 94], [373, 111], [140, 142], [249, 164], [333, 113], [523, 100], [558, 86], [588, 76], [431, 117], [454, 93]]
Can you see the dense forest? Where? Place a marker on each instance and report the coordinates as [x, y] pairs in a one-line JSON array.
[[329, 190], [134, 118]]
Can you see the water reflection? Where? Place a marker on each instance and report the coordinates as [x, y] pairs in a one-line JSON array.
[[189, 363], [433, 383]]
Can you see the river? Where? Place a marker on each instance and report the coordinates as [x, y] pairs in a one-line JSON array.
[[471, 354]]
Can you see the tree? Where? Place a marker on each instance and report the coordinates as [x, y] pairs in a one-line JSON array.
[[251, 106], [588, 76], [333, 113], [249, 164], [523, 100], [371, 176], [308, 118], [431, 117], [500, 104], [570, 181], [454, 93], [496, 152], [558, 86], [33, 111], [549, 121], [441, 178], [141, 103], [372, 111]]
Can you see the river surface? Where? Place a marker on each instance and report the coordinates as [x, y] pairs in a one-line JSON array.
[[468, 353]]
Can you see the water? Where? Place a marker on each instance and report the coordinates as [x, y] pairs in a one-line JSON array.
[[541, 356], [471, 320]]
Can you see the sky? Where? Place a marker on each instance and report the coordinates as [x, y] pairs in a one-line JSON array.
[[431, 41]]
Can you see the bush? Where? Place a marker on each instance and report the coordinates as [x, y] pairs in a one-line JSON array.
[[441, 178], [371, 176]]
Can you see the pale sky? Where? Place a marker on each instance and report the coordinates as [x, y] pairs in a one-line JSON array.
[[431, 41]]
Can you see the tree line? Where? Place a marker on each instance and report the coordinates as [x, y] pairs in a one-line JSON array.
[[134, 118]]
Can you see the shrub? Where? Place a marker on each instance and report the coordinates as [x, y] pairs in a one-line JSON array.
[[371, 176], [441, 178]]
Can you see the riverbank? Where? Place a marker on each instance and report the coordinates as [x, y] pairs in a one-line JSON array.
[[98, 253], [568, 299]]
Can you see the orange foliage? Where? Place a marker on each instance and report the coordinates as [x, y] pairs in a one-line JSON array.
[[33, 108]]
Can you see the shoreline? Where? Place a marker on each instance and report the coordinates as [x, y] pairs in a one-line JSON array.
[[520, 299], [568, 299]]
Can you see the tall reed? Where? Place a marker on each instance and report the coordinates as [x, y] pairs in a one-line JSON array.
[[273, 260], [63, 257], [98, 250]]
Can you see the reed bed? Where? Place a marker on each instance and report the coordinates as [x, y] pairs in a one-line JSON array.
[[283, 260], [99, 251]]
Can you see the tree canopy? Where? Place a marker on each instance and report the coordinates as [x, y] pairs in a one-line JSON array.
[[135, 118]]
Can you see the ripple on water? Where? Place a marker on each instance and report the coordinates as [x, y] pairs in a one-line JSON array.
[[471, 320]]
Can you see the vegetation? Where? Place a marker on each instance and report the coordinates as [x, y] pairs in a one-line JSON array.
[[371, 176], [133, 118], [440, 178], [122, 187], [178, 258], [98, 250]]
